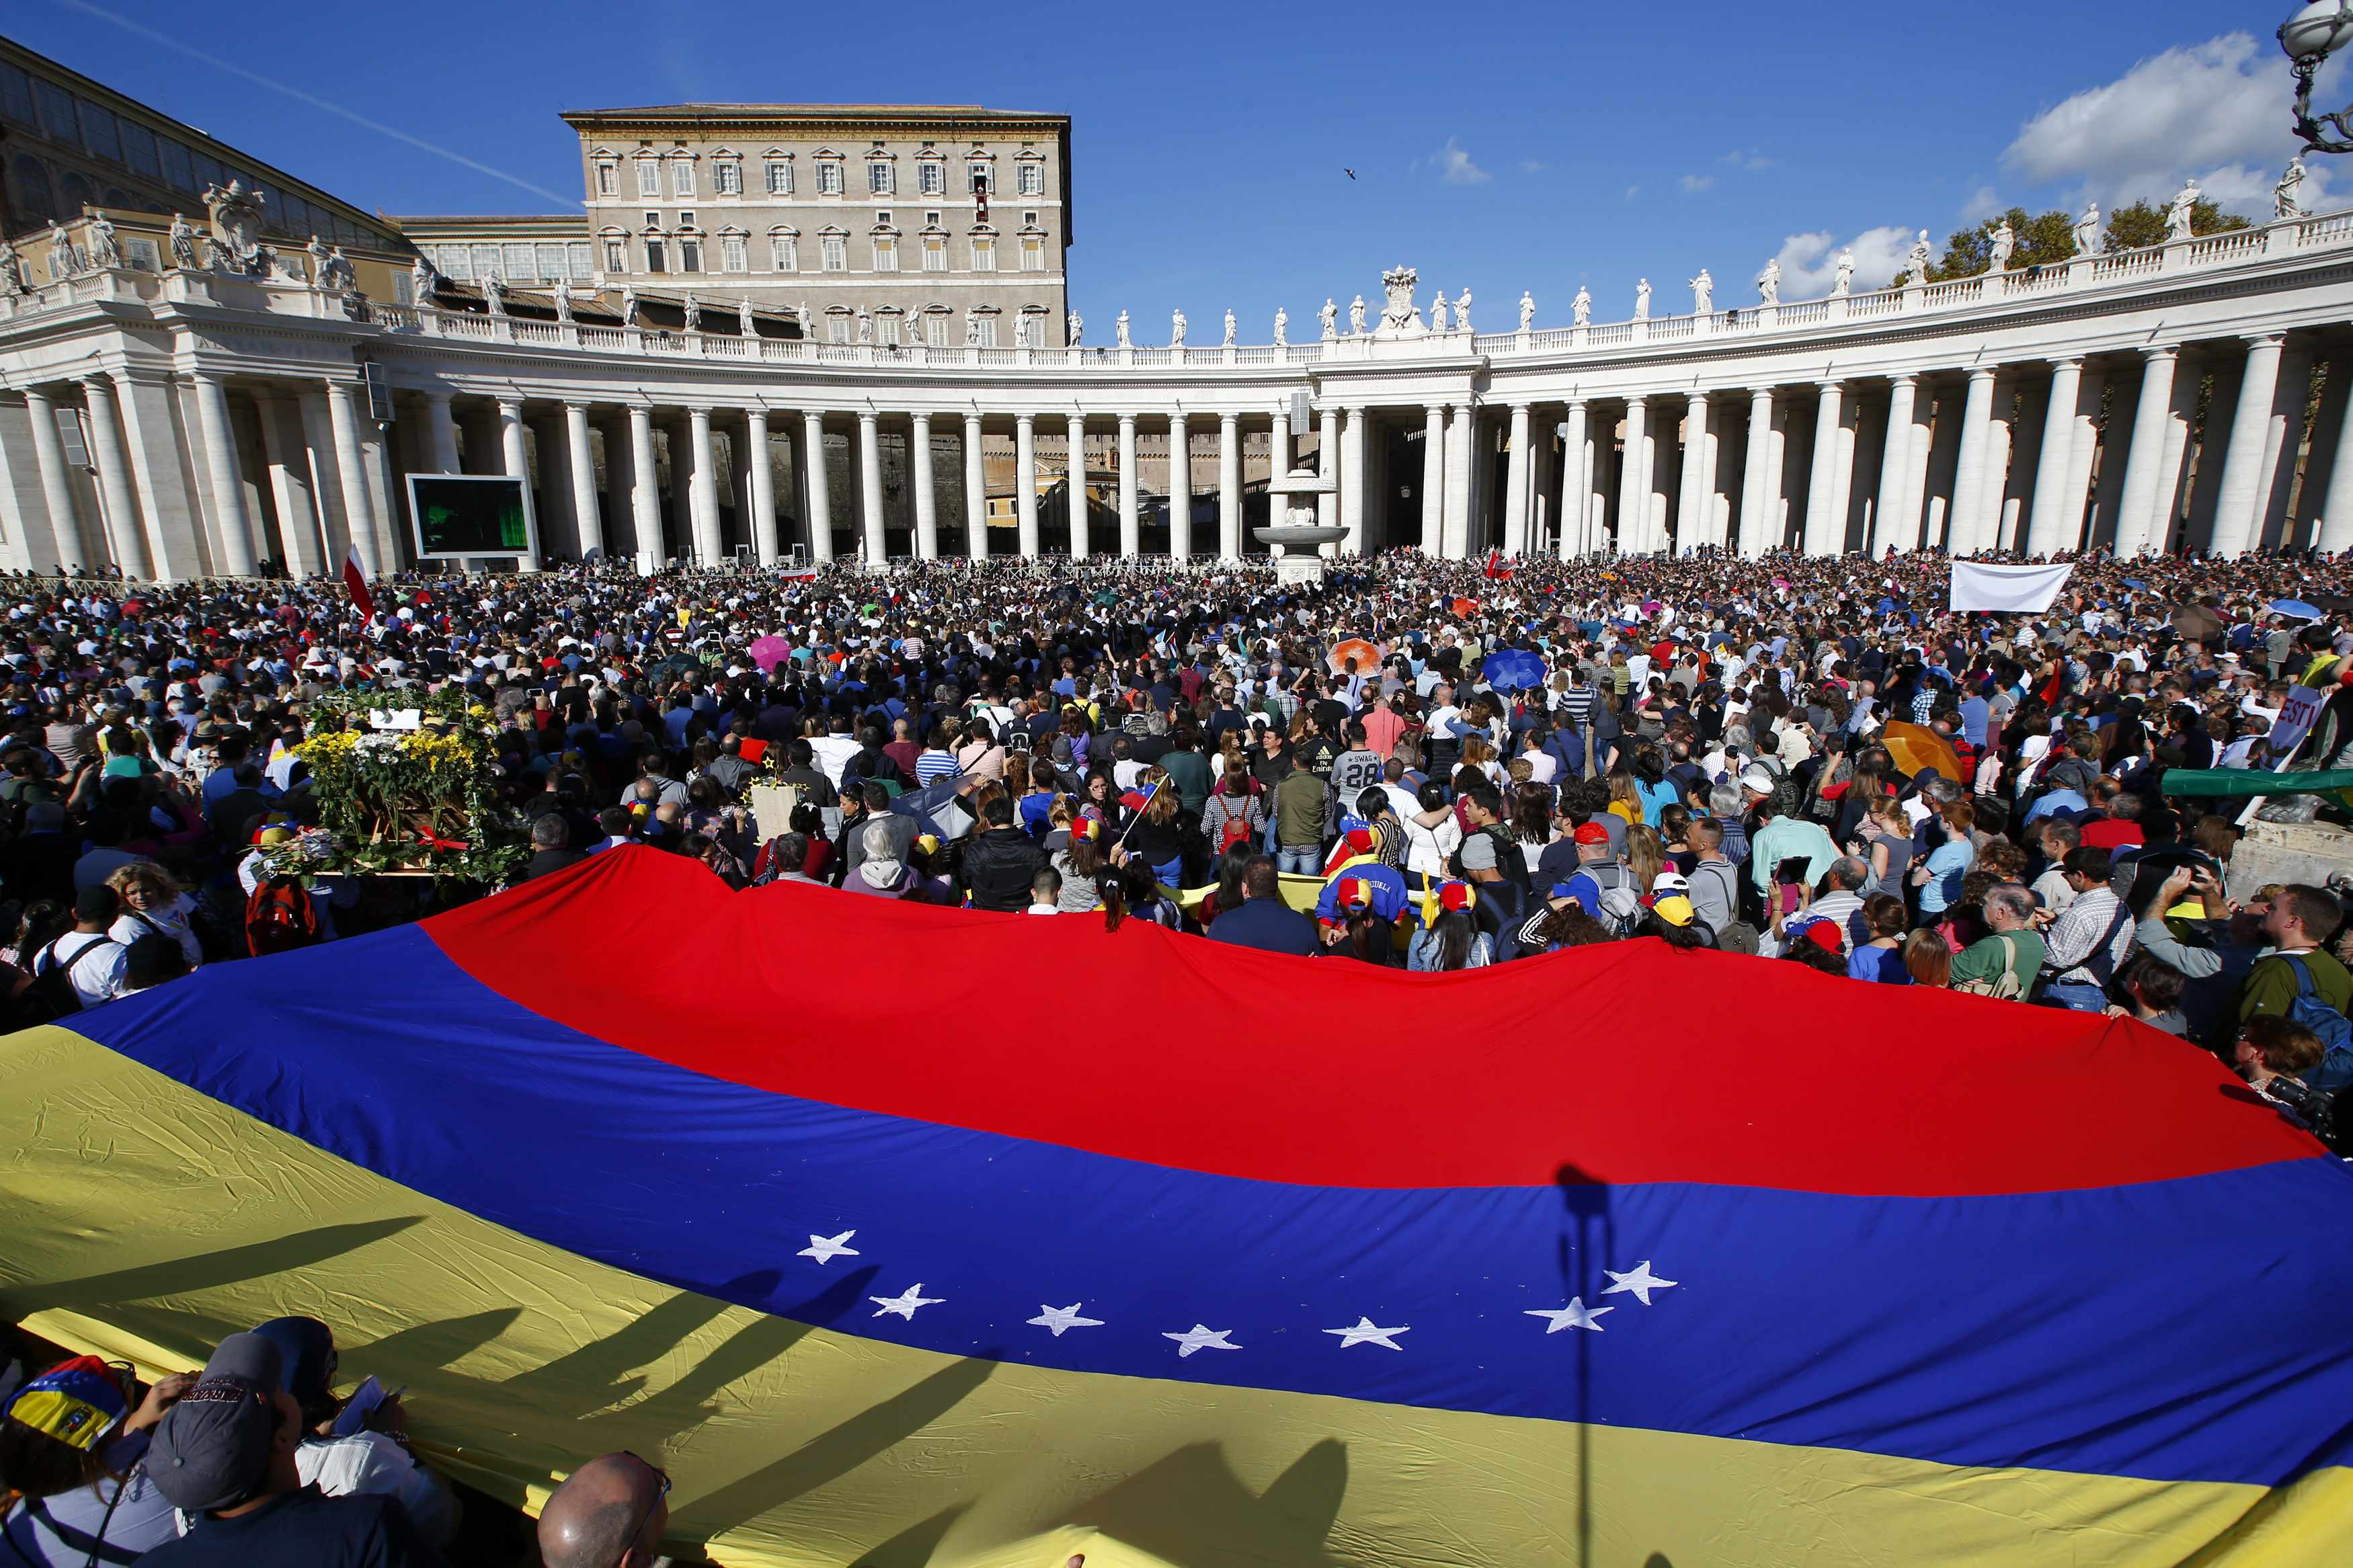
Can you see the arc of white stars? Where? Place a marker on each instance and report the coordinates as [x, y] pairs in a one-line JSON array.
[[1576, 1315], [1060, 1317], [826, 1249], [1201, 1337], [904, 1306], [1365, 1333], [1639, 1279]]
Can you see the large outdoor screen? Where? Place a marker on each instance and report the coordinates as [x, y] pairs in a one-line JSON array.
[[460, 515]]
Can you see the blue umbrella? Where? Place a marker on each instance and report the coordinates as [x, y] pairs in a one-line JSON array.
[[2296, 607], [2137, 584], [1513, 669]]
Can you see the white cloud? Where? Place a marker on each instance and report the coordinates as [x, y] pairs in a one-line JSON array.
[[1456, 168], [2217, 109], [1982, 205], [1530, 166], [1633, 190], [1809, 261], [1694, 184], [1748, 159]]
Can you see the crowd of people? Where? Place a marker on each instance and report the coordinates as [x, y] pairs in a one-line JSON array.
[[1422, 764]]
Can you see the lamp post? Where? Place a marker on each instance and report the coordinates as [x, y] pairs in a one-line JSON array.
[[2310, 38]]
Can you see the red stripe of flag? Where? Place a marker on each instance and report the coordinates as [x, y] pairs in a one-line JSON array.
[[355, 582]]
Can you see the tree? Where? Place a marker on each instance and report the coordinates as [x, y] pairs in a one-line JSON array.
[[2041, 239], [2140, 224]]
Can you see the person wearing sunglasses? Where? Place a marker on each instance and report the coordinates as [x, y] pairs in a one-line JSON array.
[[608, 1513], [72, 1444]]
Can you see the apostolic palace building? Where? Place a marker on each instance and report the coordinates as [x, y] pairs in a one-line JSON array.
[[780, 331]]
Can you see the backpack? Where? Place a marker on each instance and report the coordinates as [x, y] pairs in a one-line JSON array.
[[1621, 906], [2002, 983], [279, 917], [2311, 1010], [51, 993]]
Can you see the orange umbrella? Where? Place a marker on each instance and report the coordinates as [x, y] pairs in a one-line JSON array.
[[1466, 606], [1915, 746], [1367, 656]]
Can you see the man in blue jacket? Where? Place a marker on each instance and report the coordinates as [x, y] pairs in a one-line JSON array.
[[1264, 921]]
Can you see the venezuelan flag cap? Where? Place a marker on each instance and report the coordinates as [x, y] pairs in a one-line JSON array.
[[77, 1401]]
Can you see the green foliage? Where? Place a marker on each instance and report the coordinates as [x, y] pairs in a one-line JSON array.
[[2041, 238], [417, 800], [2139, 226]]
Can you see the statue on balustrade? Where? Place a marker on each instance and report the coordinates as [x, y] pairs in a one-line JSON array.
[[12, 272], [1437, 312], [494, 293], [268, 264], [745, 322], [340, 272], [1463, 312], [690, 309], [1119, 330], [1528, 311], [865, 324], [1077, 325], [914, 325], [1356, 317], [1399, 318], [1915, 263], [1768, 282], [629, 308], [1232, 328], [2087, 230], [2177, 216], [1327, 319], [104, 249], [184, 243], [1702, 289], [561, 295], [1282, 327], [1642, 300], [2287, 197], [1580, 309], [237, 218], [2004, 246], [318, 261], [64, 260], [1175, 329], [971, 329], [1843, 276], [809, 322]]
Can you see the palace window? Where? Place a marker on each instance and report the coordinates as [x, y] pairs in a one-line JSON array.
[[648, 177], [978, 177], [881, 179], [785, 252], [609, 180], [656, 260], [936, 254], [886, 255], [933, 178], [828, 178], [836, 253], [935, 329], [580, 257], [1031, 179], [727, 178], [616, 255], [456, 262], [837, 326], [734, 253], [1033, 255], [551, 263], [984, 253], [681, 176], [988, 331], [780, 178], [690, 254], [1030, 331]]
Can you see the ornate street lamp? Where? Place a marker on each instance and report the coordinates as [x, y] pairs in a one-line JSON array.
[[2310, 37]]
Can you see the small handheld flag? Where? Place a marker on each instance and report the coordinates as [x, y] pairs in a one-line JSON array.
[[356, 584]]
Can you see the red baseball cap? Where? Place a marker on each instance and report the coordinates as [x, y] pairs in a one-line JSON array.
[[1591, 833], [1454, 896], [1352, 893]]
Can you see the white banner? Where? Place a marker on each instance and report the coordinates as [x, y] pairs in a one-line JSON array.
[[1977, 586]]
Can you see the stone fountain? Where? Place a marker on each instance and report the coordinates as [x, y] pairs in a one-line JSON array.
[[1298, 541]]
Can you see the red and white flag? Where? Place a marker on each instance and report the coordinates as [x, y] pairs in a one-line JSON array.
[[355, 581], [1495, 570]]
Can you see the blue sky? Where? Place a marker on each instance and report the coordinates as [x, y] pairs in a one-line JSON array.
[[1497, 148]]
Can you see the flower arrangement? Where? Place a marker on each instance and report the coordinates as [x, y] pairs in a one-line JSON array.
[[415, 800]]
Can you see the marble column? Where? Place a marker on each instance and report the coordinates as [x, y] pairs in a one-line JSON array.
[[1353, 461], [580, 468], [1575, 482], [160, 476], [870, 487], [1074, 460], [645, 500], [1825, 534], [1433, 480], [1229, 486], [975, 493], [292, 486], [1462, 429], [2236, 511], [927, 504], [57, 483], [1755, 483], [819, 484], [1180, 487], [702, 489], [2144, 459], [120, 507], [1327, 466], [232, 521], [2056, 514], [1889, 525], [1131, 524], [1694, 493], [2283, 445], [1965, 532], [1025, 481], [517, 459], [1511, 529], [378, 554], [2084, 450], [1633, 485]]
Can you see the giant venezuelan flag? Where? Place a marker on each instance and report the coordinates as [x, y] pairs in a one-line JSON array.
[[906, 1234]]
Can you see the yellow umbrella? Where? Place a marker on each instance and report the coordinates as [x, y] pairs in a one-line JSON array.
[[1915, 746]]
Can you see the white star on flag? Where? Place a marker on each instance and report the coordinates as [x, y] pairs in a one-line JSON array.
[[904, 1306], [1060, 1317], [826, 1249], [1639, 1279], [1364, 1334], [1201, 1337], [1576, 1315]]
